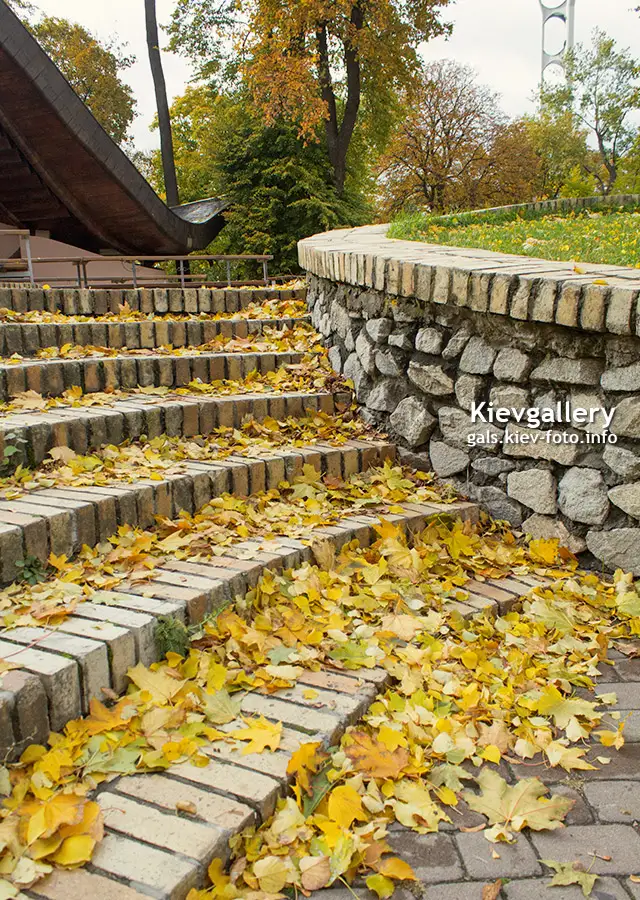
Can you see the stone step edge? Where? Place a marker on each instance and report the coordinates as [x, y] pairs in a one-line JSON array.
[[61, 519], [93, 648], [246, 787], [78, 302], [86, 428], [27, 338], [51, 377]]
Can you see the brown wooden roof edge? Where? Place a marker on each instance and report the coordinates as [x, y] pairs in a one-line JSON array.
[[109, 203]]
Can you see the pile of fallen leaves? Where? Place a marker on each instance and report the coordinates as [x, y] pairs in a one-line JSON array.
[[293, 510], [313, 373], [274, 308], [163, 456], [302, 338], [465, 694]]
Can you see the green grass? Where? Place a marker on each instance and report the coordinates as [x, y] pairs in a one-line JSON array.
[[606, 236]]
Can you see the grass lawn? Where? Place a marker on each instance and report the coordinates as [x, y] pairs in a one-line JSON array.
[[609, 236]]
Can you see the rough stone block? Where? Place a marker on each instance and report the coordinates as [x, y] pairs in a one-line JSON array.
[[582, 496], [534, 488]]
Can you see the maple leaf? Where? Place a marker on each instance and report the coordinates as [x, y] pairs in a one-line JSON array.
[[345, 805], [220, 708], [159, 684], [570, 873], [305, 761], [47, 817], [517, 807], [373, 757], [272, 873], [562, 709], [414, 807], [260, 734]]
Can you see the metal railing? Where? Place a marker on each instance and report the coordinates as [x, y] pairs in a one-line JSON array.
[[134, 278]]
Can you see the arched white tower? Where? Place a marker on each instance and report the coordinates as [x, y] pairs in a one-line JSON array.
[[566, 13]]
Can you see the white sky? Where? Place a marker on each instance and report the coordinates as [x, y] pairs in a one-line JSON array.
[[501, 39]]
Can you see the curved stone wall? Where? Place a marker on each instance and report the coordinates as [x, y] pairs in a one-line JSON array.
[[519, 378]]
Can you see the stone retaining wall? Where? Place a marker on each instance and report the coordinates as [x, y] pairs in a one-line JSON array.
[[425, 332]]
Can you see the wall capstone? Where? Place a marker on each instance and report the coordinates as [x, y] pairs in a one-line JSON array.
[[430, 334]]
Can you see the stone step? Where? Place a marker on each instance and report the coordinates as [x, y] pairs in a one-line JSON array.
[[27, 338], [95, 646], [52, 377], [152, 849], [85, 428], [60, 520], [74, 302]]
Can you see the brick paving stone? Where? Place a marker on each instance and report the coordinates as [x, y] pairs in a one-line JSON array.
[[579, 842], [140, 625], [120, 642], [515, 860], [302, 718], [170, 831], [253, 788], [59, 677], [146, 868], [628, 669], [628, 694], [347, 706], [91, 657], [80, 884], [532, 888], [272, 764], [459, 890], [624, 765], [433, 857], [615, 801], [228, 815], [581, 813]]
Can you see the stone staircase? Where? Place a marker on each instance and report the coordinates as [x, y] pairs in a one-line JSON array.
[[150, 849]]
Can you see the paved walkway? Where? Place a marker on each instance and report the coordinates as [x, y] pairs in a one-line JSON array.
[[602, 833]]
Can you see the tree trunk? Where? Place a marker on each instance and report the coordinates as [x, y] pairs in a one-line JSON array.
[[164, 119], [339, 136]]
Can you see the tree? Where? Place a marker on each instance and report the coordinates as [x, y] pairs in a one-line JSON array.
[[602, 91], [162, 105], [92, 69], [561, 147], [279, 187], [311, 62], [454, 148]]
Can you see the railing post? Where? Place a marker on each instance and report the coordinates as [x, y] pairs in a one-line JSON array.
[[182, 284], [27, 247], [133, 275], [79, 271], [228, 265], [265, 271]]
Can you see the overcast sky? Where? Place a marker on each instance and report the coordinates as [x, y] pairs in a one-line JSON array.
[[501, 39]]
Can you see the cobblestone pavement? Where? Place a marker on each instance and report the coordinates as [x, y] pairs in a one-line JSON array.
[[602, 833]]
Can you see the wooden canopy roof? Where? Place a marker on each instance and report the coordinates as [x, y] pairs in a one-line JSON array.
[[61, 172]]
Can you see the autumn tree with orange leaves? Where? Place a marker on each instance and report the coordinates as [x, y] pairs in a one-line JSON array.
[[322, 64]]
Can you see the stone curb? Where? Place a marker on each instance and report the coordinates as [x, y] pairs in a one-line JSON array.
[[86, 428], [597, 299], [53, 377], [27, 338], [90, 302]]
